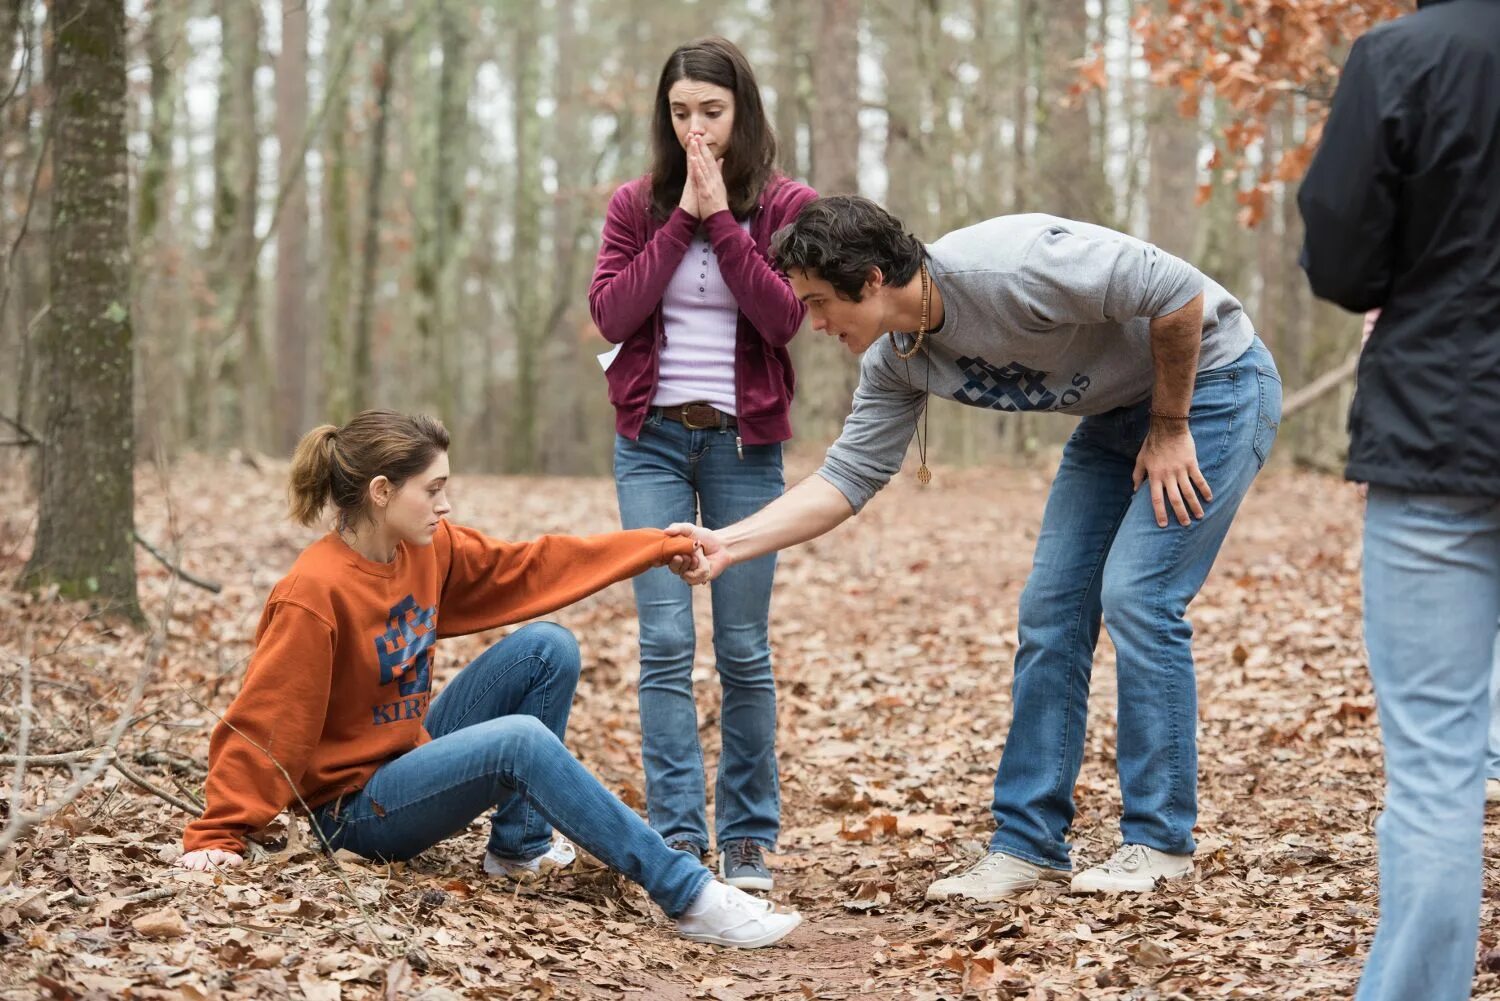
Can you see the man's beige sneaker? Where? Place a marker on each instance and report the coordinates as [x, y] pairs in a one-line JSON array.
[[1134, 868], [994, 877], [1492, 790]]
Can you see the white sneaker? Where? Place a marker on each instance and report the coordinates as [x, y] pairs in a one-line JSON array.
[[724, 915], [1133, 868], [994, 877], [559, 856], [1492, 790]]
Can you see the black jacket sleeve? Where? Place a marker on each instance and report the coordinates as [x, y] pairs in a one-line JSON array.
[[1352, 190]]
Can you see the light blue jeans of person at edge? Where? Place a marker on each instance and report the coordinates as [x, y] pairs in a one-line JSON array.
[[497, 744], [1432, 600], [1100, 554], [670, 474], [1492, 766]]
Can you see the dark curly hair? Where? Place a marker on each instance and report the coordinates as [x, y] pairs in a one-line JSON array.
[[841, 238]]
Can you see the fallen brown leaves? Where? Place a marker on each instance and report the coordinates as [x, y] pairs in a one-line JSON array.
[[894, 640]]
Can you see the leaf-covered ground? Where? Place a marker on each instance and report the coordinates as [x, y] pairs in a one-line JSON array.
[[893, 638]]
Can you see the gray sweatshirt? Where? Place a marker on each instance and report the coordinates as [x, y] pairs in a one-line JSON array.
[[1039, 313]]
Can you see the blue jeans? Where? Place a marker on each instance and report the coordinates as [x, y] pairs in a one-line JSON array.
[[1492, 764], [1432, 598], [666, 476], [497, 742], [1100, 552]]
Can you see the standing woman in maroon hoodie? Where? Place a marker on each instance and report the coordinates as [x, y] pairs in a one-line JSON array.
[[702, 384]]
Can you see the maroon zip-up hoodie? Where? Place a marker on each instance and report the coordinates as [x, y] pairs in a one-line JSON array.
[[637, 259]]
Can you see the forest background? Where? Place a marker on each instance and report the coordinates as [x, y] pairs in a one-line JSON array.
[[224, 221]]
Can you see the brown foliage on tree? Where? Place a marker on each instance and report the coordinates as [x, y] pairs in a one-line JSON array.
[[1256, 56]]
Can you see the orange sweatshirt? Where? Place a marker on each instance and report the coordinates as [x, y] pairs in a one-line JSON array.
[[339, 681]]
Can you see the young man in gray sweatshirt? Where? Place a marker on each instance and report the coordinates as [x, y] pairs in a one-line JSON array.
[[1179, 403]]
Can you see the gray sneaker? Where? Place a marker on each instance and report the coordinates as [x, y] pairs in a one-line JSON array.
[[691, 849], [742, 865]]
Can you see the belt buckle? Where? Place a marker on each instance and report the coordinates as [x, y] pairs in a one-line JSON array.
[[692, 425]]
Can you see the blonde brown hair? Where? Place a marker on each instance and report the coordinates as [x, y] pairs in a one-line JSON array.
[[334, 465]]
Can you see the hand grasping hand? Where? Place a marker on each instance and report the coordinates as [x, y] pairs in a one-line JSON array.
[[712, 560], [685, 563]]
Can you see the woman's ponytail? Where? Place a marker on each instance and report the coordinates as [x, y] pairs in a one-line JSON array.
[[311, 480], [334, 465]]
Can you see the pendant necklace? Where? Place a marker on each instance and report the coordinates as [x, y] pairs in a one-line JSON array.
[[924, 475]]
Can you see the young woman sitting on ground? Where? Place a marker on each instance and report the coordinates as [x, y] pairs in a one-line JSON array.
[[336, 715]]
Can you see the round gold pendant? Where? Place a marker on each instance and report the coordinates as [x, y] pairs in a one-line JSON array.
[[924, 475]]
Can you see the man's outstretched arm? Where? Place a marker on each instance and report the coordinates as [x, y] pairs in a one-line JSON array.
[[808, 510]]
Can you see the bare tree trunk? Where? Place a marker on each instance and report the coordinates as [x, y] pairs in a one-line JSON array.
[[161, 32], [158, 336], [25, 179], [577, 411], [525, 243], [445, 157], [85, 532], [825, 385], [787, 78], [231, 253], [1068, 168], [1171, 218], [291, 229], [255, 368], [1268, 300], [363, 375], [835, 81], [1221, 250], [1022, 197], [640, 62], [10, 23], [989, 186], [901, 38], [338, 241]]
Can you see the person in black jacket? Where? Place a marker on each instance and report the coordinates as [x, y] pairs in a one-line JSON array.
[[1402, 212]]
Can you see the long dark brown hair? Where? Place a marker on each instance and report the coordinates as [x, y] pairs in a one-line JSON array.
[[751, 159], [334, 465]]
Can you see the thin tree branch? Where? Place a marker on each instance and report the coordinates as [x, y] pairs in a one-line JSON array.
[[1321, 386], [187, 793], [171, 760], [61, 759], [155, 893], [207, 585], [24, 71], [191, 809], [21, 823], [28, 437], [15, 246]]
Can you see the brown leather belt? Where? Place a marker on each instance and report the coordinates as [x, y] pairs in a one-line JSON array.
[[697, 416]]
